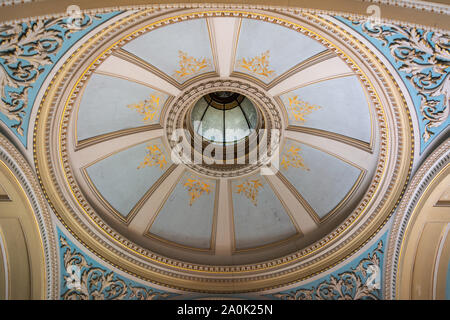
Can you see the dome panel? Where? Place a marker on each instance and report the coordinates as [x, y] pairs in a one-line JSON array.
[[123, 178], [259, 216], [266, 50], [181, 50], [117, 102], [336, 105], [188, 214]]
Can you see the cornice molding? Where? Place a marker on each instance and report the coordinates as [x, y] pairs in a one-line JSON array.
[[27, 178], [430, 168]]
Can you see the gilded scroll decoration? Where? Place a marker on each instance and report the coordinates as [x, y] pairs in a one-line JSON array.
[[196, 188], [359, 283], [84, 281], [147, 108], [249, 189], [188, 65], [25, 50], [292, 158], [425, 58], [299, 108], [154, 157], [258, 65]]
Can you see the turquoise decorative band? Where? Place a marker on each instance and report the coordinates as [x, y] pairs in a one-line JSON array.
[[82, 278], [28, 51], [422, 59]]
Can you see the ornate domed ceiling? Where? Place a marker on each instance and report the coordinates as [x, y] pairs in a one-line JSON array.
[[224, 149], [302, 179], [123, 165]]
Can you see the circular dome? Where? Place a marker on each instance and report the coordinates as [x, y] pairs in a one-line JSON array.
[[195, 226], [224, 117]]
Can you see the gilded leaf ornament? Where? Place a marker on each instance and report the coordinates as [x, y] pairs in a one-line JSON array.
[[425, 58], [188, 65], [299, 108], [147, 108], [359, 283], [196, 188], [154, 157], [292, 158], [258, 65], [84, 281], [25, 49], [249, 189]]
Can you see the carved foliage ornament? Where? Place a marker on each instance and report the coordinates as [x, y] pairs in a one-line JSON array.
[[425, 57], [86, 282], [358, 283], [25, 49]]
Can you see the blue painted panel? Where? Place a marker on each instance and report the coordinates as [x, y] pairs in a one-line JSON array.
[[104, 107], [161, 47], [286, 47], [258, 220], [343, 107], [326, 179], [185, 220], [120, 181]]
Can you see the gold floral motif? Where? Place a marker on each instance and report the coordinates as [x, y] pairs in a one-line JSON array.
[[189, 65], [258, 65], [196, 188], [249, 189], [154, 157], [292, 158], [361, 282], [86, 282], [147, 108], [299, 108]]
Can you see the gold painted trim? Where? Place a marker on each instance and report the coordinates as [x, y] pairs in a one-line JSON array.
[[115, 134], [211, 248], [365, 146]]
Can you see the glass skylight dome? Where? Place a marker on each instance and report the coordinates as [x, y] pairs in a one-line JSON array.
[[224, 117]]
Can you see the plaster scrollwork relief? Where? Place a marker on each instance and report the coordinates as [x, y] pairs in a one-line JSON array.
[[25, 49], [425, 58], [361, 282], [87, 282]]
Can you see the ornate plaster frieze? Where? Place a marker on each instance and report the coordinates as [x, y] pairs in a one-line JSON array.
[[430, 168], [85, 279], [27, 178], [422, 59], [363, 223], [28, 52], [361, 282]]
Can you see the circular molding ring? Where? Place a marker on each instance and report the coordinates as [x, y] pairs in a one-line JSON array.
[[177, 110], [367, 219]]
